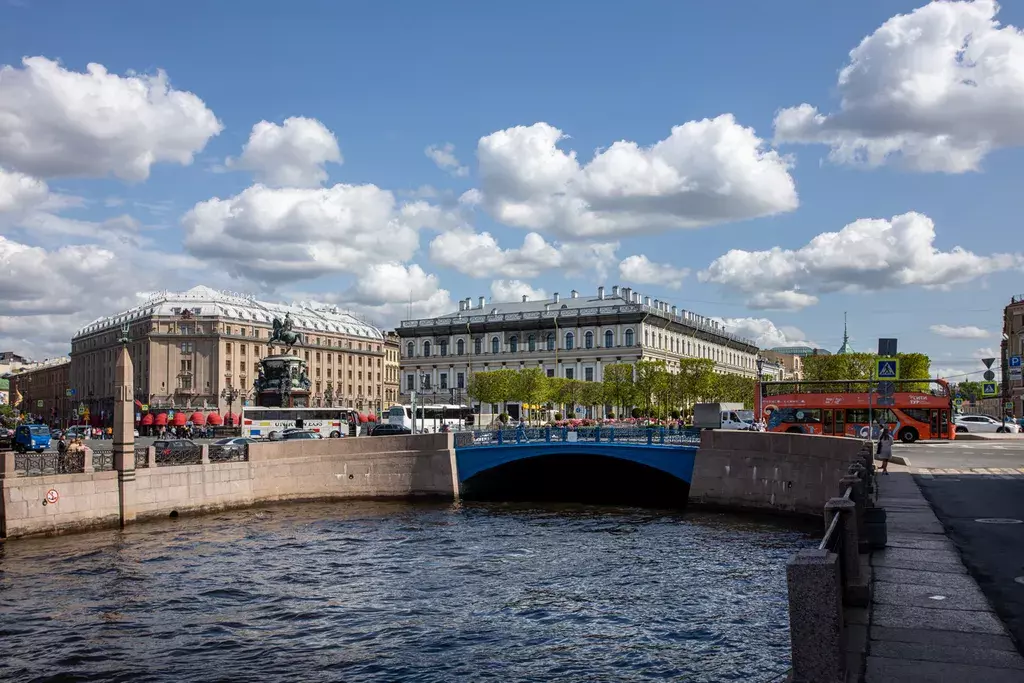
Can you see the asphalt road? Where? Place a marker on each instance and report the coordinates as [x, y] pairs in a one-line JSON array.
[[959, 482]]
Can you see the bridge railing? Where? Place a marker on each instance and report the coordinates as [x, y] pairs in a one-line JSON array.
[[825, 580], [650, 436]]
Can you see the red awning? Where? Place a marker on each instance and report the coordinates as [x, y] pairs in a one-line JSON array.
[[198, 419], [363, 417], [160, 420], [214, 420], [372, 417], [147, 420], [180, 419], [233, 418]]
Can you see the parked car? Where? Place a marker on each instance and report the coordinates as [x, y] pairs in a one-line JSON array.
[[297, 434], [31, 438], [390, 430], [183, 451], [227, 448], [966, 424]]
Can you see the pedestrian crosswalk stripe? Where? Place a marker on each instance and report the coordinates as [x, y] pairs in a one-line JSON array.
[[1005, 473]]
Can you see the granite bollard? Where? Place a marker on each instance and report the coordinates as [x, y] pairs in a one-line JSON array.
[[816, 617]]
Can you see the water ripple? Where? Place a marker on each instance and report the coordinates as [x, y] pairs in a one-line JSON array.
[[397, 591]]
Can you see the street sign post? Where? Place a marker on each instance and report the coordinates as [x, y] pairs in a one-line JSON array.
[[1015, 361], [958, 402]]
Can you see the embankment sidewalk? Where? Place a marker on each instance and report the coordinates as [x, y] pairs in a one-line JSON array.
[[928, 619]]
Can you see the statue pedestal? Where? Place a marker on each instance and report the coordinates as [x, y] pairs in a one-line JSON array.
[[283, 382]]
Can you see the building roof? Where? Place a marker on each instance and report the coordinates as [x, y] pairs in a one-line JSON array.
[[204, 301]]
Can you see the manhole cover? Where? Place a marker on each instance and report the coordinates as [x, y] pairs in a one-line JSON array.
[[998, 520]]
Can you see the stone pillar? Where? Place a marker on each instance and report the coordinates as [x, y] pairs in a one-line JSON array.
[[857, 495], [124, 434], [856, 591], [87, 466], [816, 617]]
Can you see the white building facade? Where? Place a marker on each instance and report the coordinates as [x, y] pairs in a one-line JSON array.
[[573, 338]]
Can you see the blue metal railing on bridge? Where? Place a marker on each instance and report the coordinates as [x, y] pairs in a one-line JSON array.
[[650, 436]]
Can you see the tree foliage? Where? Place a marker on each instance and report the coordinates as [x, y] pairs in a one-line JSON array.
[[861, 366]]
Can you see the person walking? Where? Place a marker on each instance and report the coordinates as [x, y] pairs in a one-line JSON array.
[[885, 448]]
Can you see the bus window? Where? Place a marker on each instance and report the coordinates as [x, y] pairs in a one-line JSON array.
[[826, 427], [944, 423], [841, 422]]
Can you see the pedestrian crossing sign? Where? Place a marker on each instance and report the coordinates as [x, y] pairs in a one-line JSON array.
[[887, 368], [988, 389], [958, 402]]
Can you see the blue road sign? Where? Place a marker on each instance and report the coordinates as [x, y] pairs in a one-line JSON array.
[[887, 368], [989, 389], [1014, 361]]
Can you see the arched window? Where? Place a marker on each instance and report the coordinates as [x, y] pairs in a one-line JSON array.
[[609, 339], [478, 346], [513, 343], [551, 341], [531, 342], [588, 340], [426, 348], [460, 347], [444, 347], [569, 339], [495, 345], [410, 350], [629, 338]]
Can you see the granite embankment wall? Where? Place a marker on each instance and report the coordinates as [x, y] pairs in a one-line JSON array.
[[733, 470], [790, 473], [381, 467]]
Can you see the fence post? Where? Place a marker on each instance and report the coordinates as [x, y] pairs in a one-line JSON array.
[[611, 435], [662, 433], [856, 591], [7, 466], [151, 457], [501, 436], [205, 454], [856, 484], [650, 436], [547, 433], [816, 617], [597, 434], [87, 466]]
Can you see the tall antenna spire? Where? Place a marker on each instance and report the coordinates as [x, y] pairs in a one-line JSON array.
[[845, 348]]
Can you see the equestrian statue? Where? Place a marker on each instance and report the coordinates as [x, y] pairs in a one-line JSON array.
[[284, 332]]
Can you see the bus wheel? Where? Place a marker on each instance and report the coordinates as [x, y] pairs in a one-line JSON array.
[[335, 434], [794, 430], [908, 435]]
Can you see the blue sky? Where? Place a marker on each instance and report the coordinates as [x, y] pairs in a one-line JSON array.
[[391, 79]]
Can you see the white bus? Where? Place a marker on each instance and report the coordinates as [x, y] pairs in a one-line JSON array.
[[258, 421], [432, 417]]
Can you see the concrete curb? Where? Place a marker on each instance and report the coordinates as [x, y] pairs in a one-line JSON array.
[[897, 460]]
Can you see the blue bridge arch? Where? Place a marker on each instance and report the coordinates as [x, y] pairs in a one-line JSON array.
[[670, 451]]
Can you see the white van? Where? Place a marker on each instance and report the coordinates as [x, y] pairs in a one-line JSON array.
[[733, 419]]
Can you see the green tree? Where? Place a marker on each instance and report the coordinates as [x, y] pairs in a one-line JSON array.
[[647, 378], [570, 393], [592, 394], [692, 380], [530, 386], [618, 386]]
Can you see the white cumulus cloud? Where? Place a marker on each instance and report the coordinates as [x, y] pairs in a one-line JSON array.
[[934, 90], [290, 155], [765, 333], [395, 283], [515, 290], [962, 332], [444, 157], [479, 255], [641, 270], [286, 234], [55, 122], [20, 192], [868, 254], [704, 172]]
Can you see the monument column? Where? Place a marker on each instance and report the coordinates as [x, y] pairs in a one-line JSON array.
[[124, 430]]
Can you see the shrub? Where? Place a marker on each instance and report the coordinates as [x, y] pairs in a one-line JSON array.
[[675, 414], [558, 417], [636, 412], [503, 418]]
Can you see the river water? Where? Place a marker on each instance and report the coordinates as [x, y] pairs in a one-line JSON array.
[[392, 591]]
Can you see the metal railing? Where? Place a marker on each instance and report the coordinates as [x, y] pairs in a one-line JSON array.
[[102, 461], [192, 455], [38, 464], [650, 436], [141, 457], [229, 453]]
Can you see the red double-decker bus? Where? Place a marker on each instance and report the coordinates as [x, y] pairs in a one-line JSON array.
[[915, 409]]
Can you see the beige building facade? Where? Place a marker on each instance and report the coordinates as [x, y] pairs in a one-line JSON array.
[[791, 366], [1012, 384], [574, 338], [189, 347], [391, 369]]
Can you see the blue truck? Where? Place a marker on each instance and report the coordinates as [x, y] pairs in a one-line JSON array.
[[31, 438]]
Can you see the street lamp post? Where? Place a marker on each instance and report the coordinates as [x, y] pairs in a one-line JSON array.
[[230, 394], [424, 384], [760, 389]]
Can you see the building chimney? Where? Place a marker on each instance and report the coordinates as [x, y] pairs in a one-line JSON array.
[[600, 292], [462, 305], [556, 297], [615, 291], [657, 305], [574, 294], [469, 303], [525, 298], [627, 295], [647, 301], [481, 302], [674, 314]]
